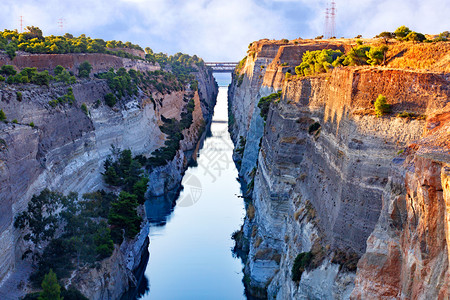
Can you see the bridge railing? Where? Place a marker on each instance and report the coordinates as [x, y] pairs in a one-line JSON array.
[[224, 67]]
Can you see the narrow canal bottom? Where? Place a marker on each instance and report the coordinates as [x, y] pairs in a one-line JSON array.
[[190, 245]]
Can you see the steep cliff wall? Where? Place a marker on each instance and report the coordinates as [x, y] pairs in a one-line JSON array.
[[324, 189], [100, 62], [65, 150]]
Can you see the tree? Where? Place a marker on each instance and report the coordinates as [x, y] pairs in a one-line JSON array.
[[402, 32], [123, 214], [8, 70], [2, 115], [381, 106], [386, 35], [110, 99], [377, 55], [84, 69], [140, 188], [58, 69], [50, 288], [41, 216], [415, 37]]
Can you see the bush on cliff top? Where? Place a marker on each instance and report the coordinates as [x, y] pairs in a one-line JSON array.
[[33, 41]]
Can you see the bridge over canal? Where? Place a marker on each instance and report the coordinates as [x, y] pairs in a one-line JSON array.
[[222, 67]]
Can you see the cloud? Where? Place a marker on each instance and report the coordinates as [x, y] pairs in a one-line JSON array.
[[218, 29]]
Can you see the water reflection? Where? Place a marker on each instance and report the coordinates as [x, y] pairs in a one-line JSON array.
[[190, 237]]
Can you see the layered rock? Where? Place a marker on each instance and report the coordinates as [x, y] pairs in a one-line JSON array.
[[65, 150], [321, 170]]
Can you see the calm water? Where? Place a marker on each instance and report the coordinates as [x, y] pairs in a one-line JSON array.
[[190, 244]]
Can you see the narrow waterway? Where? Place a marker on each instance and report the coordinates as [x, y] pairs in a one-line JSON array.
[[190, 244]]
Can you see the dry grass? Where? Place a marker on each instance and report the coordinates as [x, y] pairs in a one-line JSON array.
[[258, 242], [250, 211], [423, 56]]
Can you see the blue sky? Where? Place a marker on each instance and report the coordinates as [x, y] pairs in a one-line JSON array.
[[220, 29]]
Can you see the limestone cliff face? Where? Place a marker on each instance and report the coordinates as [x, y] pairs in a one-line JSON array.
[[65, 150], [328, 190]]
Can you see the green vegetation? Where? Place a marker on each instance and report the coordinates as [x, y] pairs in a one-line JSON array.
[[2, 115], [62, 75], [319, 61], [240, 80], [381, 106], [264, 103], [30, 75], [85, 237], [314, 127], [84, 69], [50, 288], [123, 216], [403, 33], [8, 70], [322, 61], [121, 170], [241, 148], [2, 78], [19, 96], [301, 262], [240, 66], [110, 99], [15, 121], [172, 128], [120, 82], [33, 41], [67, 98], [442, 37], [31, 124], [181, 65], [84, 109]]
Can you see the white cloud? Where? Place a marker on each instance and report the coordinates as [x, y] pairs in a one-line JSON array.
[[221, 29]]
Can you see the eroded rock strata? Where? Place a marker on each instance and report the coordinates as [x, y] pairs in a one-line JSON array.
[[65, 150], [368, 197]]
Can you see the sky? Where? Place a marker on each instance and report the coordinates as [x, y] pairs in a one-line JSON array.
[[220, 30]]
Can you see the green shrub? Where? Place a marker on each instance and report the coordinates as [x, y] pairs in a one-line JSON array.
[[415, 37], [8, 70], [19, 96], [377, 55], [32, 124], [123, 215], [2, 115], [110, 99], [2, 78], [58, 70], [53, 103], [320, 61], [285, 41], [301, 262], [264, 103], [313, 127], [381, 106], [402, 32], [84, 109], [240, 80], [51, 290], [84, 69], [15, 121]]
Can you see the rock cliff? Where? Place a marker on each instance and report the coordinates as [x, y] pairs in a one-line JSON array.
[[64, 150], [326, 176]]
